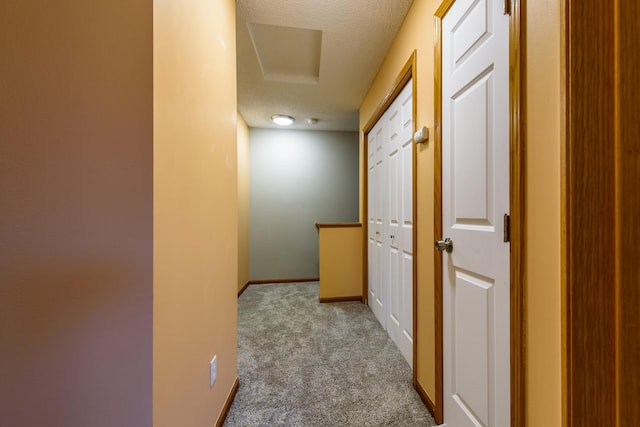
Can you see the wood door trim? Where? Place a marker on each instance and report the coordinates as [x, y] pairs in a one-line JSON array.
[[285, 280], [407, 73], [517, 44], [628, 210], [414, 213], [589, 254], [365, 218], [340, 299], [320, 225], [425, 398], [517, 198], [437, 206], [600, 212]]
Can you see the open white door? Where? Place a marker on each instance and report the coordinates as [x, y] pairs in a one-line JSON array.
[[475, 186]]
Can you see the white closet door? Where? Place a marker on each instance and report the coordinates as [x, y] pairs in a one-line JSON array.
[[377, 297], [399, 220], [390, 237]]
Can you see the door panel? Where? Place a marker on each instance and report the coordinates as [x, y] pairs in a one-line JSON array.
[[475, 195], [472, 313], [468, 31], [470, 187]]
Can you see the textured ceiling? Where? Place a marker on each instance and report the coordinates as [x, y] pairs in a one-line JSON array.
[[311, 58]]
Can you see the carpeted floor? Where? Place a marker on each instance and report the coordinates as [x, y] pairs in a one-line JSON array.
[[302, 363]]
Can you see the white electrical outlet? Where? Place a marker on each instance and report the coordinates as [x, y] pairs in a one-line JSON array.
[[213, 371]]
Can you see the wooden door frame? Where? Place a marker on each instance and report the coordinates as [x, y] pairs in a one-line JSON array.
[[516, 205], [407, 73], [601, 171]]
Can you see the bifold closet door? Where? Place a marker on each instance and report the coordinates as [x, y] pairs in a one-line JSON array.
[[377, 295], [399, 220], [390, 236]]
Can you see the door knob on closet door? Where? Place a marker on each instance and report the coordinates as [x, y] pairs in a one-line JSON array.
[[444, 245]]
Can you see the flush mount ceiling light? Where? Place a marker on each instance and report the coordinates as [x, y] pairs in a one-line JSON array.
[[282, 119]]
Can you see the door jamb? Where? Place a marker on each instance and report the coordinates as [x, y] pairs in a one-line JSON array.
[[517, 199], [599, 217]]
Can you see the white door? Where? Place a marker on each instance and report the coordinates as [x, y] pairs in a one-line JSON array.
[[399, 220], [376, 268], [475, 184], [390, 221]]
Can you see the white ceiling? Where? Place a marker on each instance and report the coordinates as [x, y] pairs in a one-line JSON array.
[[317, 58]]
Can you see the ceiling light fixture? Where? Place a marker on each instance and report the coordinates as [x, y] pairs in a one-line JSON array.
[[312, 121], [282, 119]]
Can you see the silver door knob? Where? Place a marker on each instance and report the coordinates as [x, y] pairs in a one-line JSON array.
[[444, 245]]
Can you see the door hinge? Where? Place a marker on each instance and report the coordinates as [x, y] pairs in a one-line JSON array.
[[507, 228], [507, 7]]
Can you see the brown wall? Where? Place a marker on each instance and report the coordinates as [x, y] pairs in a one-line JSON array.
[[243, 203], [195, 209], [76, 146], [542, 247]]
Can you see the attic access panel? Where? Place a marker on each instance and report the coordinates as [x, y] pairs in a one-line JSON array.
[[287, 54]]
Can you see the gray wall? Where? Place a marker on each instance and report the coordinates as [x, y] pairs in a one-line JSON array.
[[297, 178]]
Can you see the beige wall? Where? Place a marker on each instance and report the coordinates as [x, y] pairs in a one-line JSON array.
[[340, 262], [542, 263], [76, 146], [543, 194], [243, 203], [195, 209], [106, 319]]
